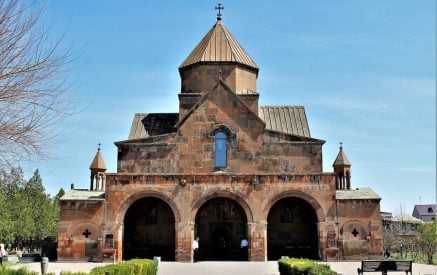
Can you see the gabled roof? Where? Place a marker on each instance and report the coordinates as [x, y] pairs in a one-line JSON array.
[[98, 162], [285, 119], [426, 209], [218, 45], [146, 125], [425, 212], [341, 159], [208, 94], [357, 194]]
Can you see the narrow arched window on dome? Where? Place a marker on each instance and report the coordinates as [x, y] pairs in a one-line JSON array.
[[220, 149]]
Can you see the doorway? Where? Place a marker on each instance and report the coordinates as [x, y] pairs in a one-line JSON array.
[[221, 224], [292, 230], [149, 230]]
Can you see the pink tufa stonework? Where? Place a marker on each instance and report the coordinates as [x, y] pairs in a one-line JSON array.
[[167, 189]]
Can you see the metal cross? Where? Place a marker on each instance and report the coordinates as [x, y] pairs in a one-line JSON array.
[[341, 145], [99, 146], [86, 233], [219, 7]]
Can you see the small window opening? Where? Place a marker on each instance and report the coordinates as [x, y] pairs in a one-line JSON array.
[[109, 241], [220, 149]]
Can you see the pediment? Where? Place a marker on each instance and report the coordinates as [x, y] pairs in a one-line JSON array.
[[221, 105]]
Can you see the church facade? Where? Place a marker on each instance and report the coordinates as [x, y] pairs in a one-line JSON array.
[[221, 169]]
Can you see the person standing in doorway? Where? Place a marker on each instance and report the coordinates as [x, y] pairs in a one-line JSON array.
[[244, 245], [196, 249]]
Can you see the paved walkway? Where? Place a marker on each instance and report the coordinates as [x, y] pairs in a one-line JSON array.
[[226, 268]]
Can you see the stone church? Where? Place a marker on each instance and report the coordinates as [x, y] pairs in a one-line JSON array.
[[221, 169]]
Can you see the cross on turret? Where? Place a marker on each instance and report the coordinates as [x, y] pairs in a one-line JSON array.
[[219, 7]]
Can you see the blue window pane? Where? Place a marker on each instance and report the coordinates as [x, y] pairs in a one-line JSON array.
[[220, 149]]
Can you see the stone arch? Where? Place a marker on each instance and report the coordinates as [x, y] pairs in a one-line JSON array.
[[292, 226], [221, 194], [354, 236], [298, 194], [222, 128], [78, 230], [354, 229], [150, 193], [86, 239], [221, 223], [148, 226]]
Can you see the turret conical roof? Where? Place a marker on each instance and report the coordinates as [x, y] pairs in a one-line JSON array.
[[98, 162], [341, 159], [219, 45]]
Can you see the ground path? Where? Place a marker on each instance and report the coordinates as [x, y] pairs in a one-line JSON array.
[[226, 268]]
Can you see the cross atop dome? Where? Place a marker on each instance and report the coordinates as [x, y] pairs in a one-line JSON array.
[[219, 7]]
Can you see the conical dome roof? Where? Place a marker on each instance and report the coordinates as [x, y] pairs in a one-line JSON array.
[[98, 162], [341, 159], [219, 45]]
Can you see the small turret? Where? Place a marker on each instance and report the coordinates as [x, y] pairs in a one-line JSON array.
[[342, 170], [98, 175]]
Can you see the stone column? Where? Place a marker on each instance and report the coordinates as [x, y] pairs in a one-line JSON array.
[[184, 240], [322, 244], [257, 233], [118, 243]]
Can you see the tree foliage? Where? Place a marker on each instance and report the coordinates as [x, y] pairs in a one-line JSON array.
[[32, 83], [428, 240], [29, 215], [419, 242]]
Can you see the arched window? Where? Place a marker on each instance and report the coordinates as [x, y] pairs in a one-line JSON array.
[[220, 149]]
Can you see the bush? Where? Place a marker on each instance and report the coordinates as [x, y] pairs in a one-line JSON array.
[[4, 270], [132, 267], [294, 266]]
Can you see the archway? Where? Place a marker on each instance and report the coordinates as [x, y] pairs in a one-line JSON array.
[[149, 230], [292, 229], [221, 224]]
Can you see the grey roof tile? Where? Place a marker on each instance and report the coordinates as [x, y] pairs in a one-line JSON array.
[[145, 125], [286, 119], [83, 195], [357, 194]]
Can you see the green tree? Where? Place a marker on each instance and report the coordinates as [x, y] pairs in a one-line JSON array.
[[29, 216], [53, 218], [6, 226], [428, 240], [40, 210]]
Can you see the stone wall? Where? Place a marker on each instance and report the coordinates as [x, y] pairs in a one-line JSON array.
[[199, 79], [250, 148], [360, 229], [345, 229], [185, 194], [80, 236]]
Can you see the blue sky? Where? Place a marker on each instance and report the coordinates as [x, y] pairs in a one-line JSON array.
[[364, 70]]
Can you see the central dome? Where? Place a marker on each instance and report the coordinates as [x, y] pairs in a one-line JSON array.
[[218, 55], [219, 45]]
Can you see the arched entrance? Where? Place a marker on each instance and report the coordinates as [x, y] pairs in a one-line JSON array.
[[292, 229], [221, 224], [149, 230]]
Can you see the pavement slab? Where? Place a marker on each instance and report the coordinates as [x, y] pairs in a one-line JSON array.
[[223, 268]]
